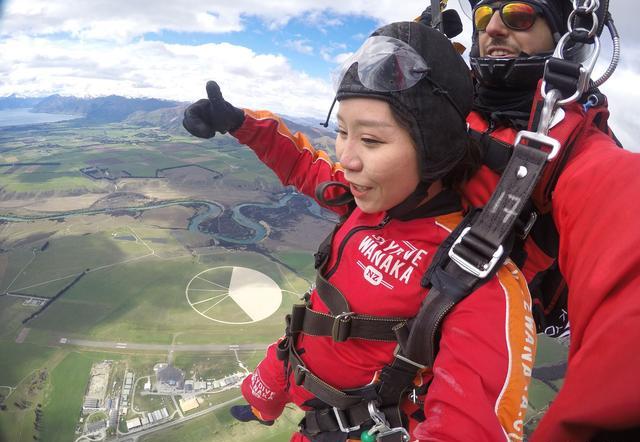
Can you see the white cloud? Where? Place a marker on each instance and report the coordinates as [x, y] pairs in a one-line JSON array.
[[101, 51], [119, 20], [342, 57], [623, 95], [327, 52], [37, 66], [301, 46]]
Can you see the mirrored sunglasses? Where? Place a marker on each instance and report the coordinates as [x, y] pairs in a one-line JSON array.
[[518, 16]]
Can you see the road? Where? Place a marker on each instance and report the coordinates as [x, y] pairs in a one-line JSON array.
[[134, 437], [161, 347]]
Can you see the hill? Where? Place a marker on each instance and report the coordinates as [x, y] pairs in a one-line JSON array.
[[102, 109], [169, 119], [145, 112], [15, 102]]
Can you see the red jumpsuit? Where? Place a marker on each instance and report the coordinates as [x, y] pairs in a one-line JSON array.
[[481, 374], [595, 208]]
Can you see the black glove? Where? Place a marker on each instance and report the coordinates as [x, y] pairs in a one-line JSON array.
[[207, 116], [451, 23]]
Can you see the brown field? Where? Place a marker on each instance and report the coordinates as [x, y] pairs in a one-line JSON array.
[[4, 260], [61, 204], [173, 217]]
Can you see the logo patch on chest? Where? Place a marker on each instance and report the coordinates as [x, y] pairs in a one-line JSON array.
[[387, 262]]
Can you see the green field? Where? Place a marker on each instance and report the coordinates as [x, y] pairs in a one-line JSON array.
[[61, 409], [132, 293], [220, 427], [121, 147], [25, 359]]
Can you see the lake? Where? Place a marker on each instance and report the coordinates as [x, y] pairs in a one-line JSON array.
[[19, 117]]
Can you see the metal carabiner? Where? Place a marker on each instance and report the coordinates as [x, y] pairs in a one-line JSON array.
[[586, 68], [381, 428]]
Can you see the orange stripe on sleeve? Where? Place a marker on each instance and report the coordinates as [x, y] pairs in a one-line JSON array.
[[299, 140], [520, 332]]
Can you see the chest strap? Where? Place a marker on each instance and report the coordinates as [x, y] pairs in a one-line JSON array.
[[345, 325]]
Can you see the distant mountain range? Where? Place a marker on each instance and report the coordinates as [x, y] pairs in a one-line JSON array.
[[141, 111], [101, 110], [14, 102]]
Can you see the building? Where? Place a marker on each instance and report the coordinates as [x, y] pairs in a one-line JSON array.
[[134, 423], [96, 391], [170, 379], [90, 404]]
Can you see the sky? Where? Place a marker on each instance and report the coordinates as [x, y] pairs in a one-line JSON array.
[[265, 54]]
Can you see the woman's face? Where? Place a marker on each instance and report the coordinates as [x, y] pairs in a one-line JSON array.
[[378, 155]]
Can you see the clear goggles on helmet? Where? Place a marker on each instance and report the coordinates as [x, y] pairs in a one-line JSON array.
[[518, 16], [385, 64]]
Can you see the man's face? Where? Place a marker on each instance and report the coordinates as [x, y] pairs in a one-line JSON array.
[[499, 41]]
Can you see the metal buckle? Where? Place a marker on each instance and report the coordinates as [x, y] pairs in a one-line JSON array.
[[344, 428], [405, 433], [396, 354], [543, 139], [469, 267], [341, 323], [381, 426]]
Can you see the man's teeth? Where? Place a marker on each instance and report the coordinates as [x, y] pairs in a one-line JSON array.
[[499, 53]]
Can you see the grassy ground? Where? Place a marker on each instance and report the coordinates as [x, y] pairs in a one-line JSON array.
[[25, 359], [208, 366], [61, 409], [143, 300], [550, 351], [220, 427]]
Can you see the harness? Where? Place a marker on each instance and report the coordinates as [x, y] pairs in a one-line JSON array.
[[373, 409], [548, 288], [372, 412]]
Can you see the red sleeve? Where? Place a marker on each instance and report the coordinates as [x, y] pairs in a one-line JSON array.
[[291, 157], [483, 368], [596, 208]]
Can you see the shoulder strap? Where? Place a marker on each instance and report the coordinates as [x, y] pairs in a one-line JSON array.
[[477, 247]]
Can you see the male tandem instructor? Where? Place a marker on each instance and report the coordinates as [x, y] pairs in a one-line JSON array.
[[586, 238]]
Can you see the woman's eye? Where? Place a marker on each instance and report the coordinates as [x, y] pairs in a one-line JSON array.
[[371, 141], [342, 133]]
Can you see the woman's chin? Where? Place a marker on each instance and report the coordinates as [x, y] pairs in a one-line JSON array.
[[370, 207]]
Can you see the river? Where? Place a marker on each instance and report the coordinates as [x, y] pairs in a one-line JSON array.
[[213, 210]]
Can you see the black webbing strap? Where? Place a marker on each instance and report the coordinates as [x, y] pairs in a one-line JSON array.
[[344, 326], [478, 249], [331, 295], [322, 390], [563, 75], [495, 223], [582, 21], [349, 409], [495, 153]]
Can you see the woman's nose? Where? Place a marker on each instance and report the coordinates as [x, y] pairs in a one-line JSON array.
[[349, 157]]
